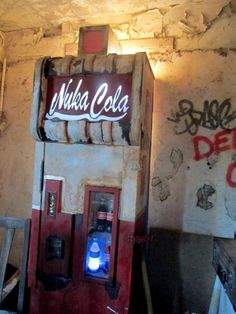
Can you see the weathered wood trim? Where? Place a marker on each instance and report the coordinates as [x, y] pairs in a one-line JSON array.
[[37, 99]]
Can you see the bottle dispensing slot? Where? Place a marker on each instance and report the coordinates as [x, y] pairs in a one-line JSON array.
[[101, 234]]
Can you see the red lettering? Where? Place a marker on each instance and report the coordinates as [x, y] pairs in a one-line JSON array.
[[202, 139], [220, 139], [229, 175], [234, 140]]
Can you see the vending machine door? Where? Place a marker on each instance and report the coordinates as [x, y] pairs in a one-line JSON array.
[[100, 230]]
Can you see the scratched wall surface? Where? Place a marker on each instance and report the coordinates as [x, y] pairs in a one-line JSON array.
[[193, 168], [16, 146], [185, 194]]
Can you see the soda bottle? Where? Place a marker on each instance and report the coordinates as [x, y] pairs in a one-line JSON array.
[[101, 216], [109, 215]]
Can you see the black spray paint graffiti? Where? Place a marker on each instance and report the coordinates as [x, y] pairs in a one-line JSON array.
[[214, 115], [176, 158], [163, 189], [161, 185], [213, 160], [203, 195]]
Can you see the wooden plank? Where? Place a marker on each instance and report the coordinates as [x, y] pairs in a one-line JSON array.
[[10, 284], [23, 268], [4, 256], [12, 222], [34, 123]]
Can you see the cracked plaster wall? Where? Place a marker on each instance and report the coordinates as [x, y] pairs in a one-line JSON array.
[[192, 148], [197, 75], [198, 65]]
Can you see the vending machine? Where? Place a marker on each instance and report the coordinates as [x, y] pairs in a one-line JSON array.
[[91, 119]]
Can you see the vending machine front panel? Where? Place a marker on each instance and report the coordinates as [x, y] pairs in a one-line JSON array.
[[91, 118]]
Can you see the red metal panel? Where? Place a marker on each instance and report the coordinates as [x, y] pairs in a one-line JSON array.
[[89, 97], [140, 224], [93, 41], [55, 224], [91, 297], [33, 250]]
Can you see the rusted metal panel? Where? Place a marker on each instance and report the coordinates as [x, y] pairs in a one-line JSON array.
[[37, 100], [99, 64], [120, 99], [60, 66], [130, 175], [104, 100], [56, 233], [119, 136], [77, 131], [136, 93], [81, 165], [88, 63], [33, 250], [93, 39], [95, 132], [98, 40], [78, 299], [77, 65], [107, 132], [125, 64], [56, 131], [110, 63]]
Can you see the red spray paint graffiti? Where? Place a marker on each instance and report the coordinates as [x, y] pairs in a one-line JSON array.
[[223, 141], [229, 175]]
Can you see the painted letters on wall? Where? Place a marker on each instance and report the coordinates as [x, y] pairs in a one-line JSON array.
[[196, 115]]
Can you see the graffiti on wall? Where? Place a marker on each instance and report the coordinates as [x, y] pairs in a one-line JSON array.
[[161, 184], [204, 196], [161, 188], [230, 196], [216, 116], [213, 160], [205, 147], [213, 115]]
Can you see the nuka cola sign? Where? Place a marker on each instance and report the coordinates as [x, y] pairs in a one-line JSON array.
[[89, 97]]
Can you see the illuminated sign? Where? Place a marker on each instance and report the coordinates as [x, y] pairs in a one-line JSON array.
[[89, 97]]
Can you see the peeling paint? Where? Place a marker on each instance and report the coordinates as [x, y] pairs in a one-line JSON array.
[[38, 36], [192, 18], [145, 24], [193, 25]]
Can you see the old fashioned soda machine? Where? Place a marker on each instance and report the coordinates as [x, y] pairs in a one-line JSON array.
[[91, 119]]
